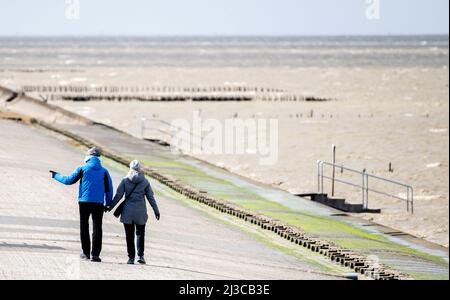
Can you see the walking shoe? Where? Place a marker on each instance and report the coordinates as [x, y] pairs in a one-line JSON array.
[[141, 260], [96, 259], [130, 261], [84, 256]]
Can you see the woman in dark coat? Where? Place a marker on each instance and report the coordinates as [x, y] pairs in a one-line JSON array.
[[135, 187]]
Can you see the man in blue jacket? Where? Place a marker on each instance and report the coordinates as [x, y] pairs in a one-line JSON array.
[[95, 194]]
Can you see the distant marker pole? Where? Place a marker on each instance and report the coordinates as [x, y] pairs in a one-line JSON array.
[[142, 127], [334, 170]]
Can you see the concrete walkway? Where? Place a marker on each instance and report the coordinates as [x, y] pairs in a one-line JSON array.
[[39, 237]]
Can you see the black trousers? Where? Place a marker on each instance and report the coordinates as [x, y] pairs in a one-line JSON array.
[[96, 211], [140, 235]]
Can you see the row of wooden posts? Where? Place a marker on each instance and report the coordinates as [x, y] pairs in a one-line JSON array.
[[165, 93], [145, 89], [177, 98]]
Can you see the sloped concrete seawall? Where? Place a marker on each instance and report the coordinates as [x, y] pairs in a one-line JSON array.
[[11, 101]]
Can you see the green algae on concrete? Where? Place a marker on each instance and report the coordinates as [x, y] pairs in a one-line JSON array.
[[199, 179], [422, 276], [349, 236]]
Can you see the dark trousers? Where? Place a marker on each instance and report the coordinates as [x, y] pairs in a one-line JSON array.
[[140, 235], [96, 211]]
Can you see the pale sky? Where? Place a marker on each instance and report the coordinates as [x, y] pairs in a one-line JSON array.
[[222, 17]]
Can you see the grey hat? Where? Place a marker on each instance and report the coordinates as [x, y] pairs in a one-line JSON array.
[[94, 152], [135, 165]]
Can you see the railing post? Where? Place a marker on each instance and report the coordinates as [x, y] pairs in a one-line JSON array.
[[412, 199], [363, 188], [321, 170], [142, 127], [334, 170], [367, 191], [407, 199], [318, 176]]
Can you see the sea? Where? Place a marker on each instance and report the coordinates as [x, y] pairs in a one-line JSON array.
[[42, 53]]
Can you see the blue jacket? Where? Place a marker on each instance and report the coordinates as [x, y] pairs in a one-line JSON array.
[[95, 182]]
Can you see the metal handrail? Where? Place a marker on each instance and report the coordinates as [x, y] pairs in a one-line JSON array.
[[365, 189], [170, 134]]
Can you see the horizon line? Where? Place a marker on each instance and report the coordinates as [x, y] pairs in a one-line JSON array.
[[220, 36]]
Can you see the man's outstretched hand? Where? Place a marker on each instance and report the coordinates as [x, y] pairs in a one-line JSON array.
[[53, 173], [158, 216]]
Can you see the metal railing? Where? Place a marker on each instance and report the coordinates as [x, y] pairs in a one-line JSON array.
[[364, 186], [195, 140]]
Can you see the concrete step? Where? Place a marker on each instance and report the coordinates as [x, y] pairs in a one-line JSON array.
[[338, 203]]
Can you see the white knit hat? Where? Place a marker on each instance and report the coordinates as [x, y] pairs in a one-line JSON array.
[[135, 165]]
